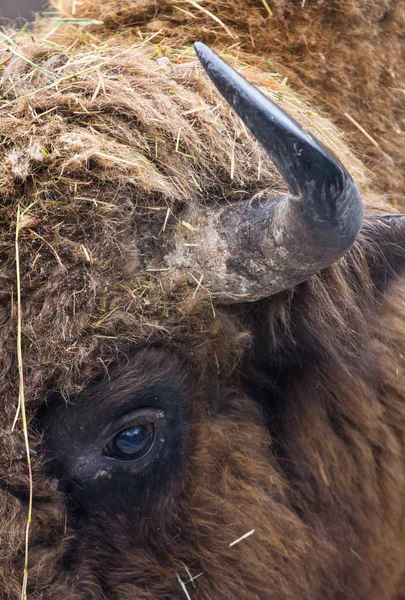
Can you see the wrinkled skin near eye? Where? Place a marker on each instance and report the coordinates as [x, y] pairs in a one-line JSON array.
[[120, 445]]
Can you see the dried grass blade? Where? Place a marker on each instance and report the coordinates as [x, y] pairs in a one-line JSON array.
[[27, 60], [267, 7], [183, 587], [21, 403], [243, 537], [362, 130], [209, 14]]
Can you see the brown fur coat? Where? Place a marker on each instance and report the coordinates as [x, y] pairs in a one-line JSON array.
[[107, 138]]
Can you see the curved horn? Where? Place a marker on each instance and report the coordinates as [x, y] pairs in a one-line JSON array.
[[251, 252]]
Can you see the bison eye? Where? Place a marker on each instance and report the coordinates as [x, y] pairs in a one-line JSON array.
[[131, 444]]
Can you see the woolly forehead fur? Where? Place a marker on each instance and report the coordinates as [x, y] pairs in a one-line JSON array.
[[104, 146], [348, 54]]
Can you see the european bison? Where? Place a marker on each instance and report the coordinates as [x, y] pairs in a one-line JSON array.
[[210, 358]]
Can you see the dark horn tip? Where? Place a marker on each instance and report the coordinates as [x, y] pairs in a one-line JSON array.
[[209, 59], [199, 47]]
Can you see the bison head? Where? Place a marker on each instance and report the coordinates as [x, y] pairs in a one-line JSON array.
[[169, 474], [256, 454]]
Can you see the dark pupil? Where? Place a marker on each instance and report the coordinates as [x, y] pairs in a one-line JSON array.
[[132, 443]]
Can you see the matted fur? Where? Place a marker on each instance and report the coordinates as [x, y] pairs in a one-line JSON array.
[[347, 53], [95, 162]]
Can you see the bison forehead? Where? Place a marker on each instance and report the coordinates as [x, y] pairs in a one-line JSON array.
[[110, 171]]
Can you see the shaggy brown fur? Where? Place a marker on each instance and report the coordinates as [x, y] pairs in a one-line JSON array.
[[297, 401], [347, 53]]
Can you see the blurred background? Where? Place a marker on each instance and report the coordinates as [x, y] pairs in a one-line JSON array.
[[19, 11]]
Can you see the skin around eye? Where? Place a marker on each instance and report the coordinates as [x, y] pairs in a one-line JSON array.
[[119, 445], [131, 444]]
